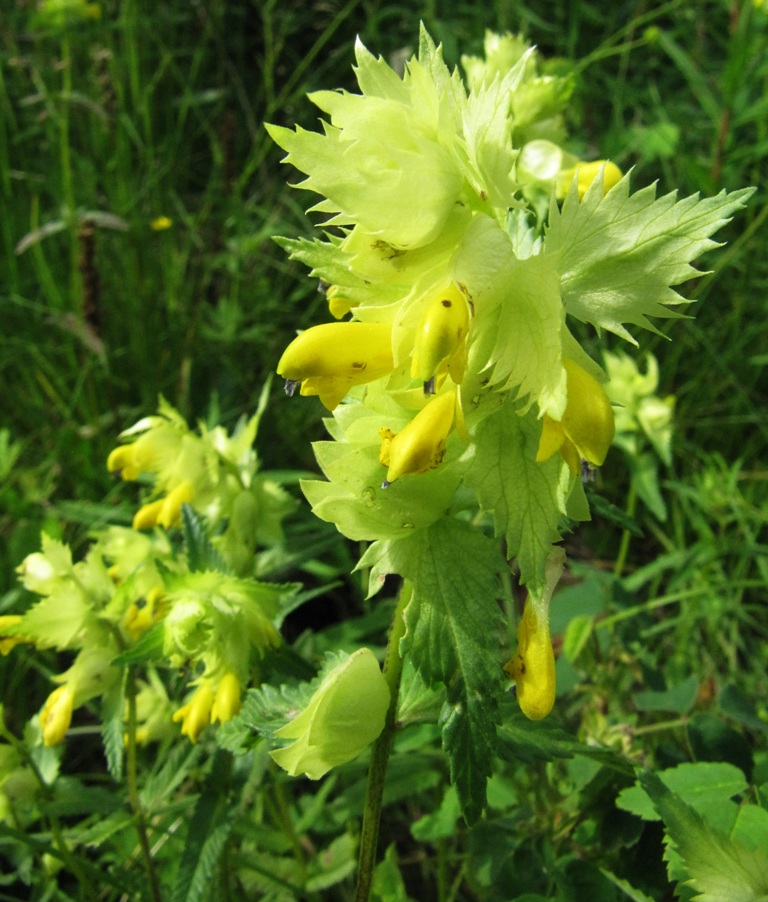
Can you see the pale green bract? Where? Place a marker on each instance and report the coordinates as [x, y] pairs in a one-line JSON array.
[[344, 715]]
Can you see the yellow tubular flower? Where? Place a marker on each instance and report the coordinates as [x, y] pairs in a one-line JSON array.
[[165, 511], [56, 715], [327, 360], [227, 701], [196, 714], [440, 338], [419, 446], [586, 430], [532, 667], [122, 460]]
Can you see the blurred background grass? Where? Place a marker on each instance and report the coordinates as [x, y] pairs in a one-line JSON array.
[[140, 193]]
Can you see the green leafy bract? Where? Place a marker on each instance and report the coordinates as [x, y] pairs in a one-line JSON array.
[[619, 253], [526, 499], [453, 637], [720, 869]]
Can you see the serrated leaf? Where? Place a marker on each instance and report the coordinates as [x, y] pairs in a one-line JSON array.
[[452, 637], [209, 829], [526, 499], [201, 555], [720, 869], [113, 727], [620, 253]]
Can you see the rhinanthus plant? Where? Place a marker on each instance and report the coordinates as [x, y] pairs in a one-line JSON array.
[[462, 252], [139, 598]]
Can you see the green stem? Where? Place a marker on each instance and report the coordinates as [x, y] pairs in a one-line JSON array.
[[621, 558], [374, 792], [133, 790]]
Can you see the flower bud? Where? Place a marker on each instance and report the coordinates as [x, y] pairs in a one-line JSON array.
[[419, 446], [440, 337], [586, 173], [345, 714], [227, 701], [532, 666], [586, 429], [56, 715], [327, 360], [196, 714]]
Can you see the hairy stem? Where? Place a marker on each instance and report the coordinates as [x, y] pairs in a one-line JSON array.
[[374, 792]]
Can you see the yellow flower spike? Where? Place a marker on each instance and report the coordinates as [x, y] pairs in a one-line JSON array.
[[419, 446], [196, 714], [587, 428], [7, 642], [327, 360], [56, 715], [440, 338], [532, 667], [227, 701]]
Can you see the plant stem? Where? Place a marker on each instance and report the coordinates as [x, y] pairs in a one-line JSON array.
[[621, 557], [133, 790], [374, 791]]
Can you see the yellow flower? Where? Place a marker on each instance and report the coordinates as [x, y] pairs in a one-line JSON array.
[[196, 714], [56, 715], [166, 511], [160, 224], [419, 446], [227, 701], [586, 429], [532, 667], [440, 344], [327, 360]]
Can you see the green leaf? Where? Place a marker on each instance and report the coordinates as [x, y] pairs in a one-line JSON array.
[[527, 499], [680, 698], [388, 885], [619, 253], [113, 727], [209, 829], [707, 786], [453, 637], [720, 869], [577, 634], [201, 555]]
